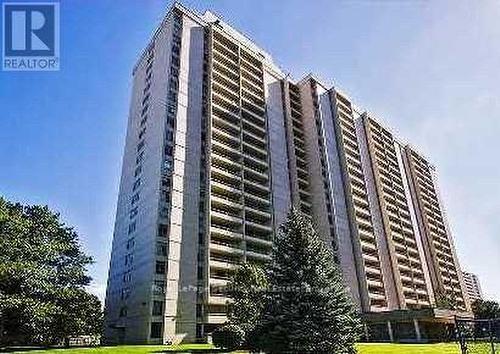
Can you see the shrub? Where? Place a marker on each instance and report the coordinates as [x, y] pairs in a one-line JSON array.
[[228, 337]]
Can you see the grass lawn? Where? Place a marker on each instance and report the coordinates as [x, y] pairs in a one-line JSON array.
[[362, 349], [374, 348]]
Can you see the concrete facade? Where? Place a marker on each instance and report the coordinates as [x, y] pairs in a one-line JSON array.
[[473, 286], [220, 145]]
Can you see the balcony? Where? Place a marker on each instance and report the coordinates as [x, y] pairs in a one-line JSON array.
[[262, 216], [257, 130], [225, 92], [225, 249], [255, 152], [226, 53], [225, 233], [216, 319], [225, 215], [226, 151], [228, 266], [226, 204], [218, 300], [257, 202], [226, 104], [218, 282], [259, 256], [256, 177], [228, 176], [258, 241], [251, 86], [256, 164], [250, 76], [225, 114]]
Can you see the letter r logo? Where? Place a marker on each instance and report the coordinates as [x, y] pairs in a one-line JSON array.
[[30, 29]]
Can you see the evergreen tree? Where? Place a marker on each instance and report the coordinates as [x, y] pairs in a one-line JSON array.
[[246, 288], [308, 309]]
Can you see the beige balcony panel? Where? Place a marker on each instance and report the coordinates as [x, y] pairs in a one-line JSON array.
[[225, 249], [218, 282], [216, 319], [260, 256], [220, 215], [218, 300], [225, 233], [258, 226], [258, 241], [222, 265]]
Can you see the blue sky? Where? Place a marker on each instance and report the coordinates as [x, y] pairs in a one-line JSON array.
[[430, 69]]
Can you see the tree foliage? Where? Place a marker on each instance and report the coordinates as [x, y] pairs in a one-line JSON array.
[[228, 337], [42, 278], [308, 309], [446, 301], [305, 307], [486, 309], [246, 288]]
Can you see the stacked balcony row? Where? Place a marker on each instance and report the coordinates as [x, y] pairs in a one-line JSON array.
[[240, 195], [299, 148], [437, 235], [346, 131], [396, 214]]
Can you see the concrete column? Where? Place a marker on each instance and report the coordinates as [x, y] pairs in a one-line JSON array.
[[389, 329], [417, 330]]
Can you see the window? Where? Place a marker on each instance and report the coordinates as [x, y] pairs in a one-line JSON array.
[[174, 71], [130, 243], [160, 267], [157, 308], [156, 329], [167, 165], [125, 293], [135, 198], [171, 108], [140, 146], [142, 132], [139, 158], [129, 259], [127, 277], [136, 184], [169, 150], [131, 227], [138, 171], [134, 212], [162, 230], [170, 135], [161, 249], [158, 287]]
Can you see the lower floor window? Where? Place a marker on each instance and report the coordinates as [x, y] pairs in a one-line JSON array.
[[156, 329]]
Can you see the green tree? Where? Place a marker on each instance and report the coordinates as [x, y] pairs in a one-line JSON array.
[[308, 309], [246, 288], [486, 309], [43, 274], [446, 301]]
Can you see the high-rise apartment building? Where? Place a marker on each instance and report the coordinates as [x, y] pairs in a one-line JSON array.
[[473, 286], [220, 145]]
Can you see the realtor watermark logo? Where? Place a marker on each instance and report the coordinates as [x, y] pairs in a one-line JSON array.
[[30, 36]]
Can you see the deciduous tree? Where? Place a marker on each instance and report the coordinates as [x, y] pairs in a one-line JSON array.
[[43, 274]]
